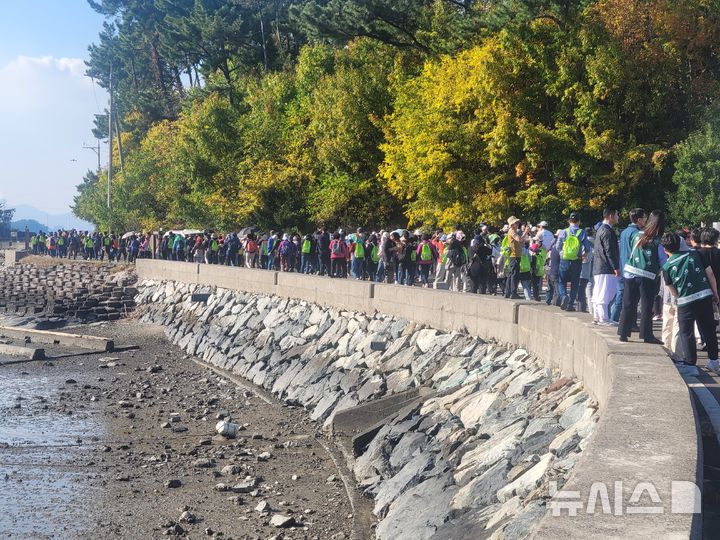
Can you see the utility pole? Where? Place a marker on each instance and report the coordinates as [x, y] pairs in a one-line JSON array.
[[119, 140], [110, 148], [97, 151]]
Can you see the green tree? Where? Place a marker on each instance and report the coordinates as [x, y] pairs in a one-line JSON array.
[[697, 177], [6, 216]]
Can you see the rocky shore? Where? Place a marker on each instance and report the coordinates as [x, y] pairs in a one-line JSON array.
[[473, 459]]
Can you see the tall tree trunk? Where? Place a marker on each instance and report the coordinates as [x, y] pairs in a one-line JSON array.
[[264, 44]]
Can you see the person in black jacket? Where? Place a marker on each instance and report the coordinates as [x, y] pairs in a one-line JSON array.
[[606, 267], [480, 263], [323, 252]]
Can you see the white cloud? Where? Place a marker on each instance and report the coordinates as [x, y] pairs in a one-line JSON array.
[[46, 114]]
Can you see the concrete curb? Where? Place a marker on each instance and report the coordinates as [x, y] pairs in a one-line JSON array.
[[22, 352], [59, 338], [647, 436]]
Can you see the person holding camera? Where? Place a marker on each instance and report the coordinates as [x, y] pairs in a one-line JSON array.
[[516, 238]]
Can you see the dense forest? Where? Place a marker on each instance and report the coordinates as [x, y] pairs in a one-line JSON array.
[[285, 114]]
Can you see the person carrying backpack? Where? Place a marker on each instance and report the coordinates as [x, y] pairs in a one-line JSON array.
[[480, 263], [251, 251], [573, 246], [408, 260], [338, 256], [457, 258], [425, 254], [285, 251], [372, 257], [178, 248]]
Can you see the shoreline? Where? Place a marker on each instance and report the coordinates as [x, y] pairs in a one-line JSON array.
[[132, 463]]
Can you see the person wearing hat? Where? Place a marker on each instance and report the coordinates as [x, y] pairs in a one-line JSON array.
[[515, 241], [573, 246], [544, 236]]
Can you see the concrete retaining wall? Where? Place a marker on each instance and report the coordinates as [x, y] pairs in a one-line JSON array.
[[647, 436]]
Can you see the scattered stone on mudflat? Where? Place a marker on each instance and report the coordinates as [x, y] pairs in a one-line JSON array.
[[281, 522], [204, 463], [175, 530], [173, 483], [246, 486], [263, 507], [188, 517], [228, 470]]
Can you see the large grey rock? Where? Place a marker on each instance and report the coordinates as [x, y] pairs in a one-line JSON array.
[[406, 448], [481, 490], [527, 482], [521, 526], [404, 521], [410, 475]]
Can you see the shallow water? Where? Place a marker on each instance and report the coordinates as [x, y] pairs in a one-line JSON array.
[[45, 474]]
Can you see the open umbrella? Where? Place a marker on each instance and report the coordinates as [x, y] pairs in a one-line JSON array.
[[129, 234], [248, 230]]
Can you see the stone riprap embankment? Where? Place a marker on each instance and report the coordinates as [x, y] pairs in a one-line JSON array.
[[75, 291], [474, 459]]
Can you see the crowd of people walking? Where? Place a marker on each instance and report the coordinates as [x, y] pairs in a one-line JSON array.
[[593, 269], [90, 246]]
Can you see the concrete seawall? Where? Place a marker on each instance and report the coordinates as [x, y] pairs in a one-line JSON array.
[[645, 447]]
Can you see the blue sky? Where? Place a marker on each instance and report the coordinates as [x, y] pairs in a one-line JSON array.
[[46, 102]]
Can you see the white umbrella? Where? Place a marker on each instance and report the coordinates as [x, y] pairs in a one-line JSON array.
[[183, 232], [129, 234]]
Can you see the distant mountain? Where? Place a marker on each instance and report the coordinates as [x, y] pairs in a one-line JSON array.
[[48, 221], [32, 225]]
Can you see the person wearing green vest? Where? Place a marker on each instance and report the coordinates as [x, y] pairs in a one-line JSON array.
[[425, 255], [538, 256], [691, 280], [214, 248], [107, 246], [526, 273], [88, 246], [34, 244], [573, 247], [640, 275], [357, 254], [372, 257], [307, 248]]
